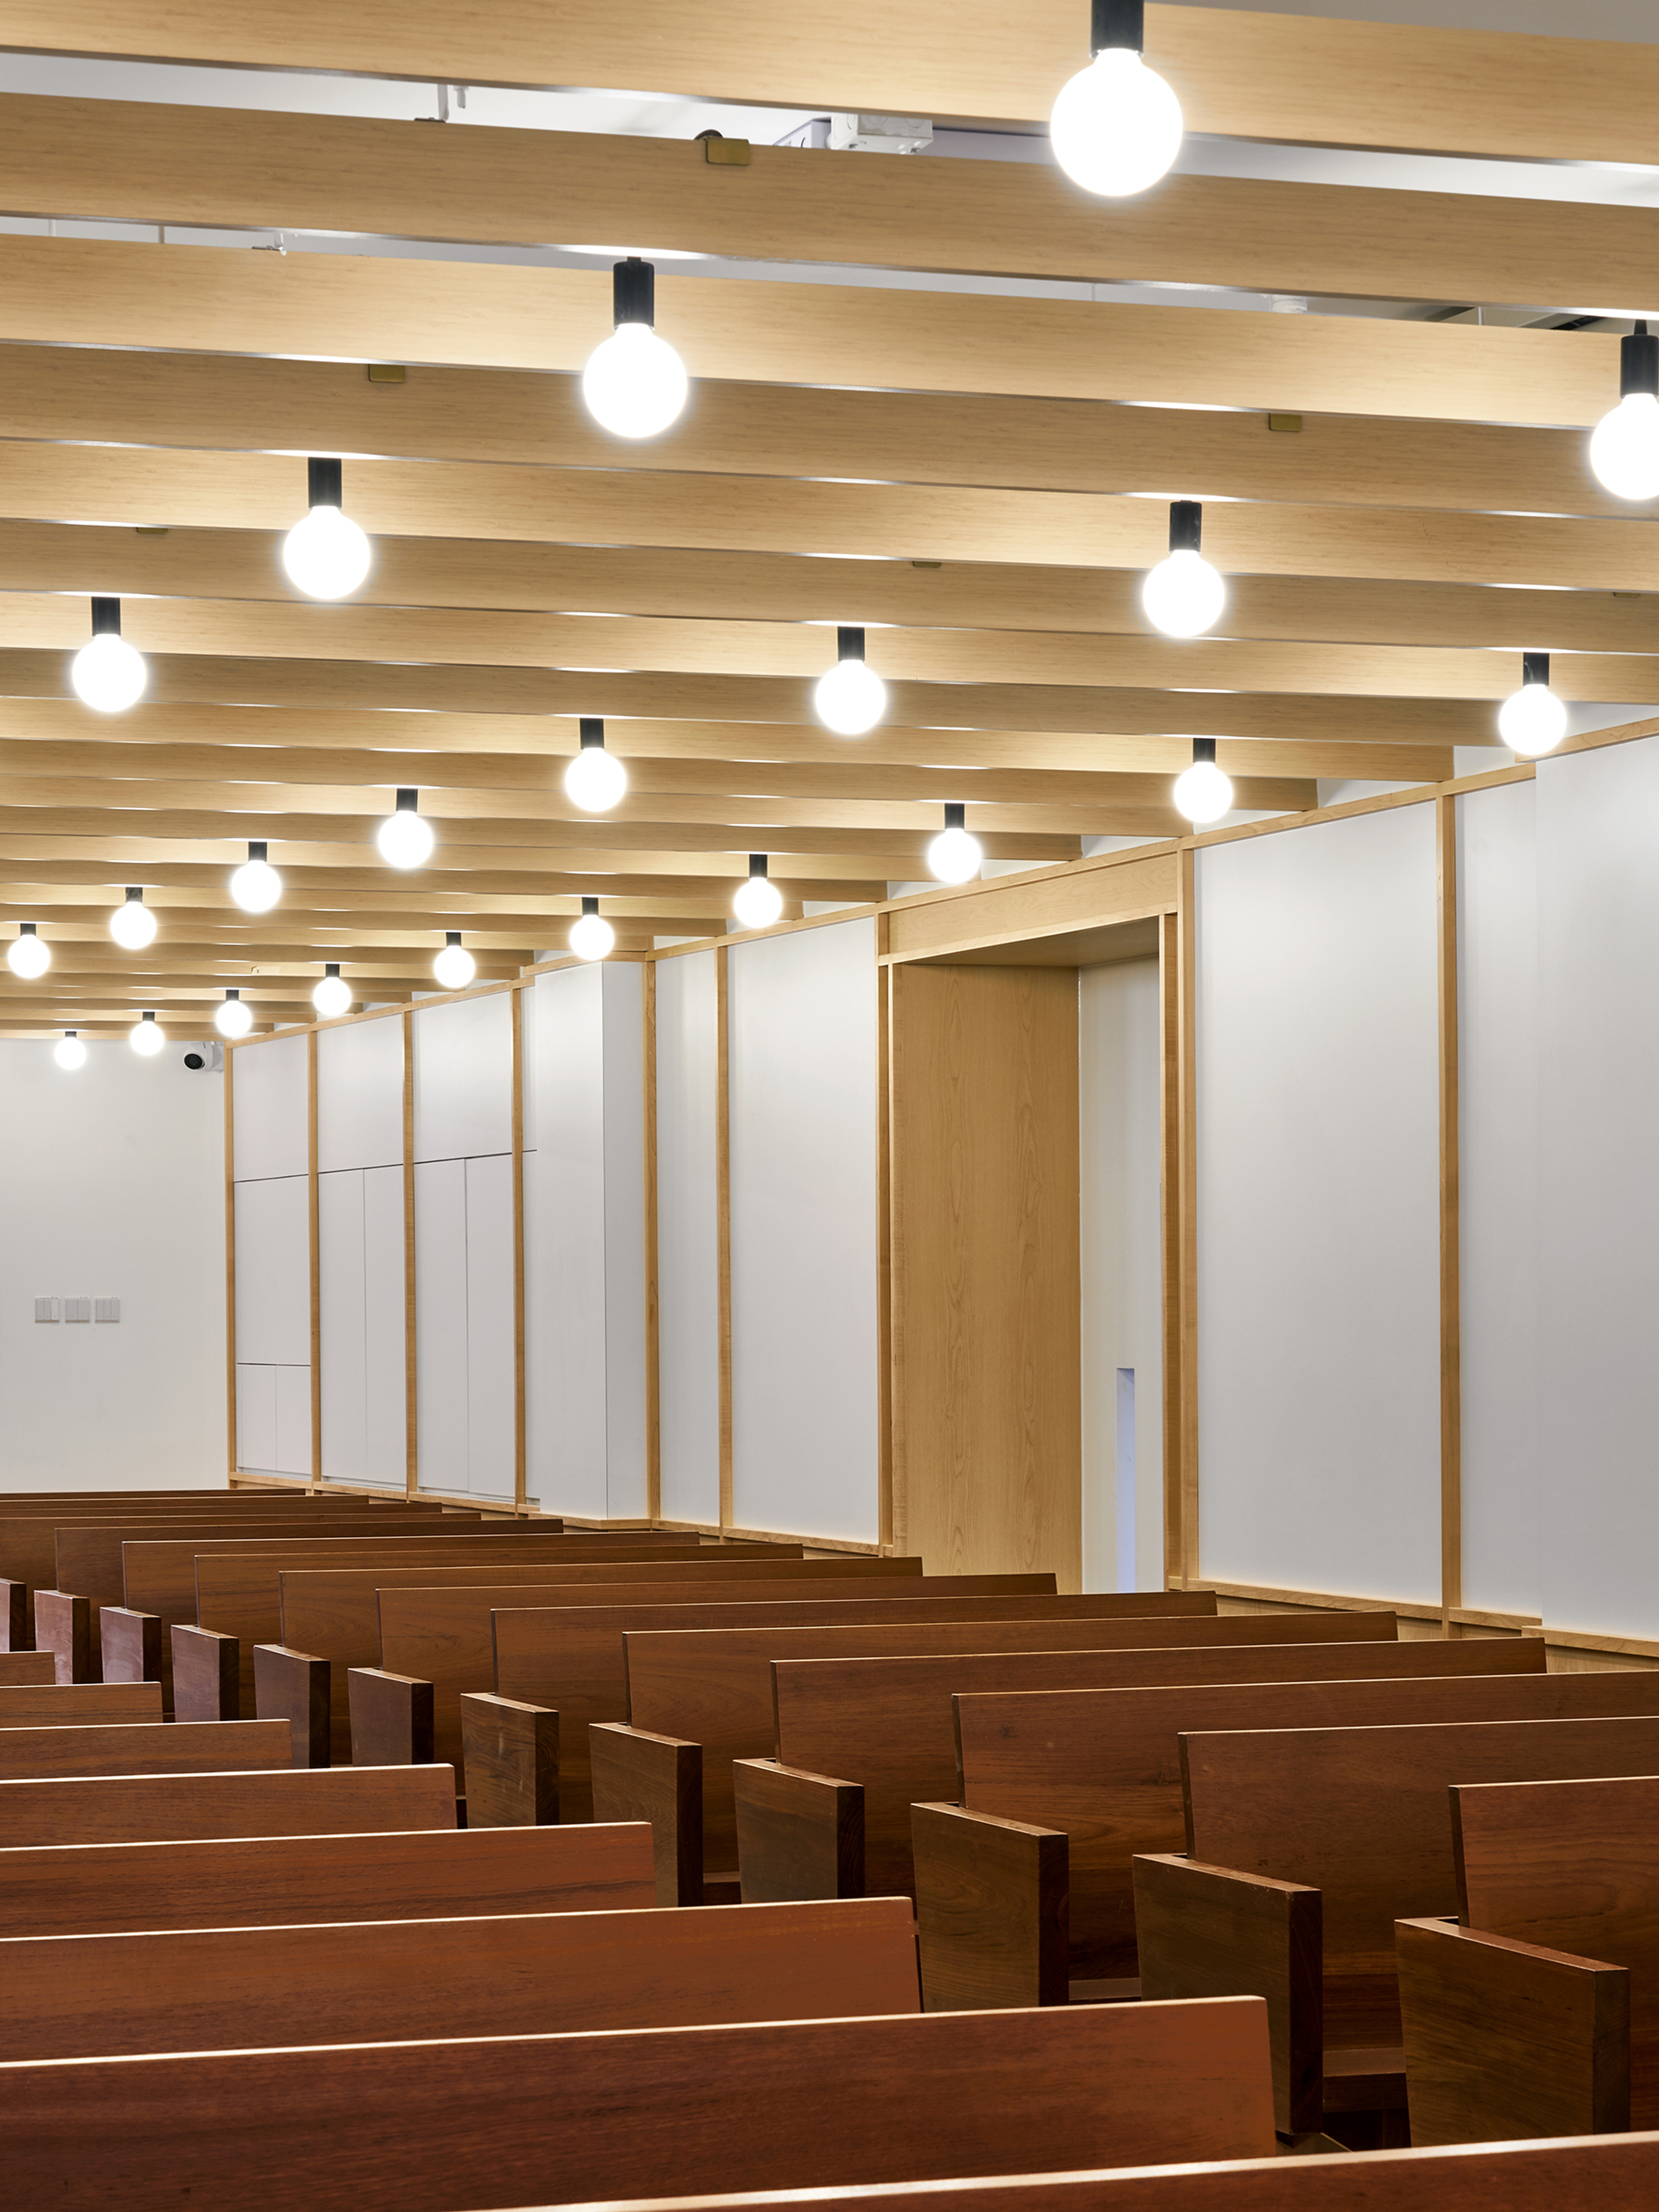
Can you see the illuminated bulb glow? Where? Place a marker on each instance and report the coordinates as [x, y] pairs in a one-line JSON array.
[[327, 554], [1116, 126], [1203, 793], [455, 967], [133, 925], [147, 1037], [28, 956], [850, 698], [954, 856], [68, 1051], [256, 887], [1533, 720], [333, 997], [595, 779], [635, 383], [759, 902], [591, 936], [108, 674], [232, 1018], [403, 838], [1624, 452], [1183, 596]]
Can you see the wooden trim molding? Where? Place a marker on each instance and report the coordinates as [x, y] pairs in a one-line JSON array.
[[515, 1001], [313, 1215], [884, 1375], [723, 1222], [1186, 1536], [653, 1365], [411, 1390], [1171, 1287], [1451, 1378], [232, 1452]]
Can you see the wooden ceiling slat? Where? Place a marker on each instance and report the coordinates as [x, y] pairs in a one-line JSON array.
[[56, 291], [1241, 75]]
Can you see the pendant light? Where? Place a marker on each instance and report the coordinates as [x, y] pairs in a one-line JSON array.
[[28, 955], [327, 554], [133, 925], [954, 856], [1203, 793], [596, 780], [68, 1051], [850, 698], [147, 1037], [1116, 126], [1624, 451], [454, 966], [332, 996], [635, 383], [759, 902], [404, 839], [1533, 720], [1183, 596], [256, 887], [233, 1018], [591, 936], [108, 674]]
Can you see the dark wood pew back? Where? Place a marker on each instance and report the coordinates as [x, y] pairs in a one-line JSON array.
[[173, 1807], [78, 1705], [31, 1669], [144, 1747], [269, 1882], [460, 2126]]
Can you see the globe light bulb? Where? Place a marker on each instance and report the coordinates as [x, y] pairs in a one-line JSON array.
[[232, 1018], [1183, 596], [1203, 793], [147, 1037], [28, 956], [759, 902], [333, 997], [1533, 720], [454, 966], [635, 383], [68, 1051], [954, 856], [850, 698], [1624, 451], [108, 674], [404, 839], [133, 925], [1116, 126], [256, 887], [595, 779], [327, 554], [591, 936]]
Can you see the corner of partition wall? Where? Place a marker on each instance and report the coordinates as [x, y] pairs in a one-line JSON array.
[[1178, 1224]]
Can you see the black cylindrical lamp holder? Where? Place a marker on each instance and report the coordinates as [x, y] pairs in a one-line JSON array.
[[330, 967], [1186, 526], [106, 617], [452, 936], [590, 904], [409, 802], [849, 643], [1534, 668], [256, 849], [757, 865], [633, 292], [1117, 23], [592, 730], [325, 483], [956, 814], [1203, 749], [1638, 362]]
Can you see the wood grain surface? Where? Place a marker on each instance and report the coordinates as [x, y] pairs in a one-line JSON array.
[[31, 1669], [142, 1747], [77, 1704], [284, 1800], [511, 1751]]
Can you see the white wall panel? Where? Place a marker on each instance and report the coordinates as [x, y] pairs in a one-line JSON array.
[[687, 1237], [463, 1078], [1497, 1088], [385, 1451], [527, 1066], [341, 1317], [1598, 835], [489, 1362], [270, 1109], [802, 1013], [293, 1420], [360, 1095], [273, 1273], [1318, 1209], [256, 1419], [440, 1322], [625, 1237], [1122, 1277]]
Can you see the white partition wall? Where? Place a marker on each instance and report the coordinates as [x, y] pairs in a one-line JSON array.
[[1318, 1208], [359, 1152], [687, 1236], [585, 1258], [802, 1010], [271, 1196]]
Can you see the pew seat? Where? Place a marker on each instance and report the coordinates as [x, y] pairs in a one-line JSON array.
[[179, 1808], [27, 1669], [157, 1747], [77, 1704]]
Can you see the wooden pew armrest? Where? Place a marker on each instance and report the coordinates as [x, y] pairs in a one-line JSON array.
[[799, 1835], [131, 1645], [292, 1686], [993, 1910], [510, 1762], [207, 1675], [391, 1718], [1205, 1931], [1503, 2039], [641, 1776]]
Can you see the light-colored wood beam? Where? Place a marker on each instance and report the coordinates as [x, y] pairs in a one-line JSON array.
[[56, 291], [1241, 75], [336, 878]]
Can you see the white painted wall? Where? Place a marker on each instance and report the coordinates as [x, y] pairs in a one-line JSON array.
[[687, 1237], [1122, 1277], [112, 1184], [1318, 1208]]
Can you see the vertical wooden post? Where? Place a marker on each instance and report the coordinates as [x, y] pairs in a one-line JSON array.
[[411, 1402], [723, 1223], [314, 1199], [521, 1494], [1451, 1349], [1170, 1127], [653, 1398], [1187, 987], [883, 1243], [233, 1455]]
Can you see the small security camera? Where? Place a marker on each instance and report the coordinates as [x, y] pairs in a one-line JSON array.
[[209, 1057]]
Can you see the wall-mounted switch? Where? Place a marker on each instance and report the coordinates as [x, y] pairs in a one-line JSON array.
[[46, 1308], [77, 1310], [106, 1309]]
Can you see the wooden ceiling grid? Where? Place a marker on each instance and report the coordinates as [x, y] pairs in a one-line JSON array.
[[978, 477]]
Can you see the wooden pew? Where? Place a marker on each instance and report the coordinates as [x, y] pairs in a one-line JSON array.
[[700, 1698], [1614, 2174], [268, 1881], [238, 1597], [1059, 1793], [178, 1809], [79, 1704], [880, 1733], [1545, 2001], [1304, 1846], [551, 1973], [458, 2126], [142, 1747], [19, 1670]]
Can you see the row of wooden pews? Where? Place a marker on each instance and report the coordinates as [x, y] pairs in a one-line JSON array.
[[362, 1900]]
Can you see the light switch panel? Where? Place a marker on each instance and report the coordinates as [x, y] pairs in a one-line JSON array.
[[106, 1309], [46, 1308], [77, 1310]]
